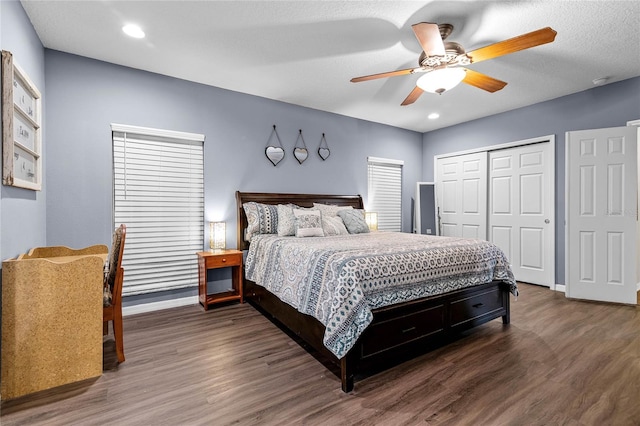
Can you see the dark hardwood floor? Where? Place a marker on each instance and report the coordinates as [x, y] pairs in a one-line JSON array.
[[558, 362]]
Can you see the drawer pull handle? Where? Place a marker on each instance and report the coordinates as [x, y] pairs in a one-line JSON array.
[[408, 329], [477, 305], [224, 260]]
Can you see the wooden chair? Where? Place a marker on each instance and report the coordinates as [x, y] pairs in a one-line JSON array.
[[112, 304]]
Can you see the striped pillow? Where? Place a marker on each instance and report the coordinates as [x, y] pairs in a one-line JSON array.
[[261, 219]]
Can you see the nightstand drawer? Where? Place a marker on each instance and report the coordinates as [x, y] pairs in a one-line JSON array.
[[222, 260]]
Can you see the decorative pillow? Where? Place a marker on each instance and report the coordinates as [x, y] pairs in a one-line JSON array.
[[333, 226], [329, 209], [286, 220], [354, 221], [308, 223], [261, 219]]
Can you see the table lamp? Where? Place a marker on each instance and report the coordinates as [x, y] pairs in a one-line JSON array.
[[217, 235], [372, 220]]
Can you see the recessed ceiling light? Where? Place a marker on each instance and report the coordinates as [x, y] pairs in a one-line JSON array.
[[133, 30], [433, 116]]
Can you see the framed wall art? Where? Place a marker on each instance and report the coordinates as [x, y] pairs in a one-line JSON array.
[[21, 127]]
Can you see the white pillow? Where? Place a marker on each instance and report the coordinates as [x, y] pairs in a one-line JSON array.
[[329, 209], [333, 226], [286, 220], [261, 219], [308, 223]]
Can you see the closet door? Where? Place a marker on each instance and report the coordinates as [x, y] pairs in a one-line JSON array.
[[521, 210], [602, 209], [461, 190]]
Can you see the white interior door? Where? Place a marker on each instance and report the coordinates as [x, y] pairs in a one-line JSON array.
[[602, 188], [521, 210], [461, 191]]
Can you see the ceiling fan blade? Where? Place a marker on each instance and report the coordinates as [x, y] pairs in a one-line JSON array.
[[524, 41], [429, 37], [383, 75], [413, 96], [483, 81]]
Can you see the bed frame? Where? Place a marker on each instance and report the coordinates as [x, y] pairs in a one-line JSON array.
[[397, 331]]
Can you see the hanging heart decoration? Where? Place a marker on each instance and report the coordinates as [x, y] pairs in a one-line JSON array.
[[323, 149], [300, 152], [324, 153], [275, 153]]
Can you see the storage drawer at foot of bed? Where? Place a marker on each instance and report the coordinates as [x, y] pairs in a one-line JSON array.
[[393, 332], [473, 307]]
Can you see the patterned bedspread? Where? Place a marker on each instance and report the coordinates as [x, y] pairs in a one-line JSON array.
[[340, 279]]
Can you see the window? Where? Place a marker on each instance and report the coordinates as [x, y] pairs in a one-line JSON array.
[[385, 192], [158, 185]]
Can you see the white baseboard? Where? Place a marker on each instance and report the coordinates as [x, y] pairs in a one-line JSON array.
[[157, 306], [193, 300]]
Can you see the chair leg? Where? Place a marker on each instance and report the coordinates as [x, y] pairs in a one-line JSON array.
[[105, 328], [118, 334]]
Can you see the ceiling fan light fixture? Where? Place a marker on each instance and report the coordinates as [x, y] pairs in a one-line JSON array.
[[441, 80]]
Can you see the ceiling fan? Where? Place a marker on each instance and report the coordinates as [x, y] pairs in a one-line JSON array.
[[443, 62]]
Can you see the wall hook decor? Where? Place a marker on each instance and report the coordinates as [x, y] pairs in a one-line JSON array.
[[300, 152], [275, 153], [323, 149]]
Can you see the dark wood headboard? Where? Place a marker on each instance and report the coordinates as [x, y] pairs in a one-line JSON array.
[[302, 200]]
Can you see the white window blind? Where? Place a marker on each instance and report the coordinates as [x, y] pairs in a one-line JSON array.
[[158, 185], [385, 192]]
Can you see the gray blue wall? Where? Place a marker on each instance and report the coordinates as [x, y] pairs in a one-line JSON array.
[[607, 106], [84, 96], [22, 211]]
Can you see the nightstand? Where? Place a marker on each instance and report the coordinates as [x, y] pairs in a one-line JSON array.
[[219, 259]]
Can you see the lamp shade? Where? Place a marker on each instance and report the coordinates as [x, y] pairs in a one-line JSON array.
[[372, 220], [441, 80], [217, 235]]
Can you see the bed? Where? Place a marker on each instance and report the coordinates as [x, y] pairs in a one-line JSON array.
[[370, 326]]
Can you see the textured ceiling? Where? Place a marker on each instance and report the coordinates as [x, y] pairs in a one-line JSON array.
[[305, 52]]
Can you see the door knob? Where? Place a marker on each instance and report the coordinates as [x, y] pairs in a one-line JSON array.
[[546, 221]]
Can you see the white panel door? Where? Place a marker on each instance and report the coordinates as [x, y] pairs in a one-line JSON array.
[[602, 214], [521, 210], [461, 191]]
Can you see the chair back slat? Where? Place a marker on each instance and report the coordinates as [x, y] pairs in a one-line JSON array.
[[115, 257]]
